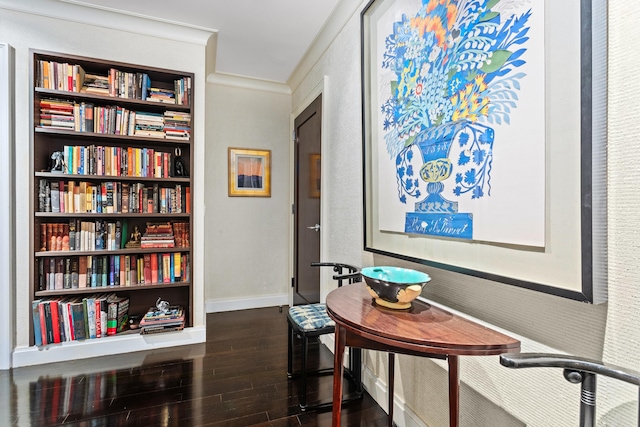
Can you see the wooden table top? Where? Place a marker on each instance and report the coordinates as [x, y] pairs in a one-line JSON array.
[[423, 328]]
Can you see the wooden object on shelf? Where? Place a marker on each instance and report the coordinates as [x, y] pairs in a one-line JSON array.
[[104, 140]]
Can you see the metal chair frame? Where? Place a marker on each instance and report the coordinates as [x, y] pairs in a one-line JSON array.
[[576, 370], [353, 372]]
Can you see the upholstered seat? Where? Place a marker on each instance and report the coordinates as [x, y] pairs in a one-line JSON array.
[[310, 317]]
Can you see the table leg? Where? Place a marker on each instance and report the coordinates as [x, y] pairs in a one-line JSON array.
[[338, 370], [390, 385], [454, 391]]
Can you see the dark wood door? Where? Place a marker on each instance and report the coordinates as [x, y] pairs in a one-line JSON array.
[[307, 204]]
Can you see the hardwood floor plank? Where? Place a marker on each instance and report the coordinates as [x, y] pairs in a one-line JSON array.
[[238, 378]]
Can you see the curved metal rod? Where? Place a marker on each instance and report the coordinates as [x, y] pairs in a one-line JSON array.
[[549, 360], [353, 275]]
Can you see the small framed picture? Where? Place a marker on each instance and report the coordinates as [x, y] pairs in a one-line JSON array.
[[249, 172]]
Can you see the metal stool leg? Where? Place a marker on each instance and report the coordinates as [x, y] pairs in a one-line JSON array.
[[303, 395], [289, 351]]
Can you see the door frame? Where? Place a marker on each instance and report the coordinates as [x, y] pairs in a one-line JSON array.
[[319, 89], [7, 215]]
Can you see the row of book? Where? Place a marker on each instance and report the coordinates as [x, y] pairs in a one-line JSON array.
[[60, 76], [120, 84], [57, 320], [79, 272], [113, 120], [111, 197], [78, 235], [116, 161], [155, 320]]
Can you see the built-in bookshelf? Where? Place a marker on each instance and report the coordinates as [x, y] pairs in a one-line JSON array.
[[111, 211]]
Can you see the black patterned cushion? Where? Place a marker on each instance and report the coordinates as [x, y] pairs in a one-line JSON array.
[[311, 316]]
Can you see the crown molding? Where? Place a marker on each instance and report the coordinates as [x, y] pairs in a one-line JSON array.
[[76, 11], [233, 80]]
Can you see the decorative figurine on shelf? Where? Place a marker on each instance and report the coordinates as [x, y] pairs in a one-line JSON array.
[[162, 305], [135, 239], [179, 168], [58, 165]]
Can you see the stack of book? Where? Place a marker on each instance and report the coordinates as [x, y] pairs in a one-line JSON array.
[[149, 124], [95, 84], [177, 125], [57, 113], [162, 321], [166, 96], [158, 235]]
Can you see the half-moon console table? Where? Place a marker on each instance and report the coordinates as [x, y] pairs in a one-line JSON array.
[[423, 330]]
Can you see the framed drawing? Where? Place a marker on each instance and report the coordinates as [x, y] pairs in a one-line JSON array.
[[249, 172], [470, 117]]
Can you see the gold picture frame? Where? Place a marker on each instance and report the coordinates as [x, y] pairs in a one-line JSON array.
[[249, 172]]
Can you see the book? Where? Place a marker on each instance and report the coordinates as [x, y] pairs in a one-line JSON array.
[[75, 273], [117, 314], [157, 329], [166, 268], [79, 322], [62, 322], [55, 320], [67, 274], [82, 272], [147, 268], [90, 317], [154, 268], [59, 274], [35, 313], [43, 323], [55, 196]]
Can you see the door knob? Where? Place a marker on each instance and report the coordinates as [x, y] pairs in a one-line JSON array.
[[315, 227]]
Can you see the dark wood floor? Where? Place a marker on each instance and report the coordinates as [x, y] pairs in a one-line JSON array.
[[238, 378]]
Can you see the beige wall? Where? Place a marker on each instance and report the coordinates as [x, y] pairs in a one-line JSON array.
[[491, 394], [246, 238]]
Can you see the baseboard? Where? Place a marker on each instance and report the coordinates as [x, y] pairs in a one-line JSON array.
[[119, 344], [402, 415], [220, 305]]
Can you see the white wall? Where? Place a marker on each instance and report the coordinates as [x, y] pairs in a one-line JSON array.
[[246, 238], [491, 394], [26, 30]]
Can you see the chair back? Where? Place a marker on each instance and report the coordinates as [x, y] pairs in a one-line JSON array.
[[352, 274]]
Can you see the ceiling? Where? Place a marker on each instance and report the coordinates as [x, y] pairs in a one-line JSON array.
[[262, 39]]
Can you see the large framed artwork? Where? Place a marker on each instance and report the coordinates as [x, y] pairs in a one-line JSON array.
[[483, 135]]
